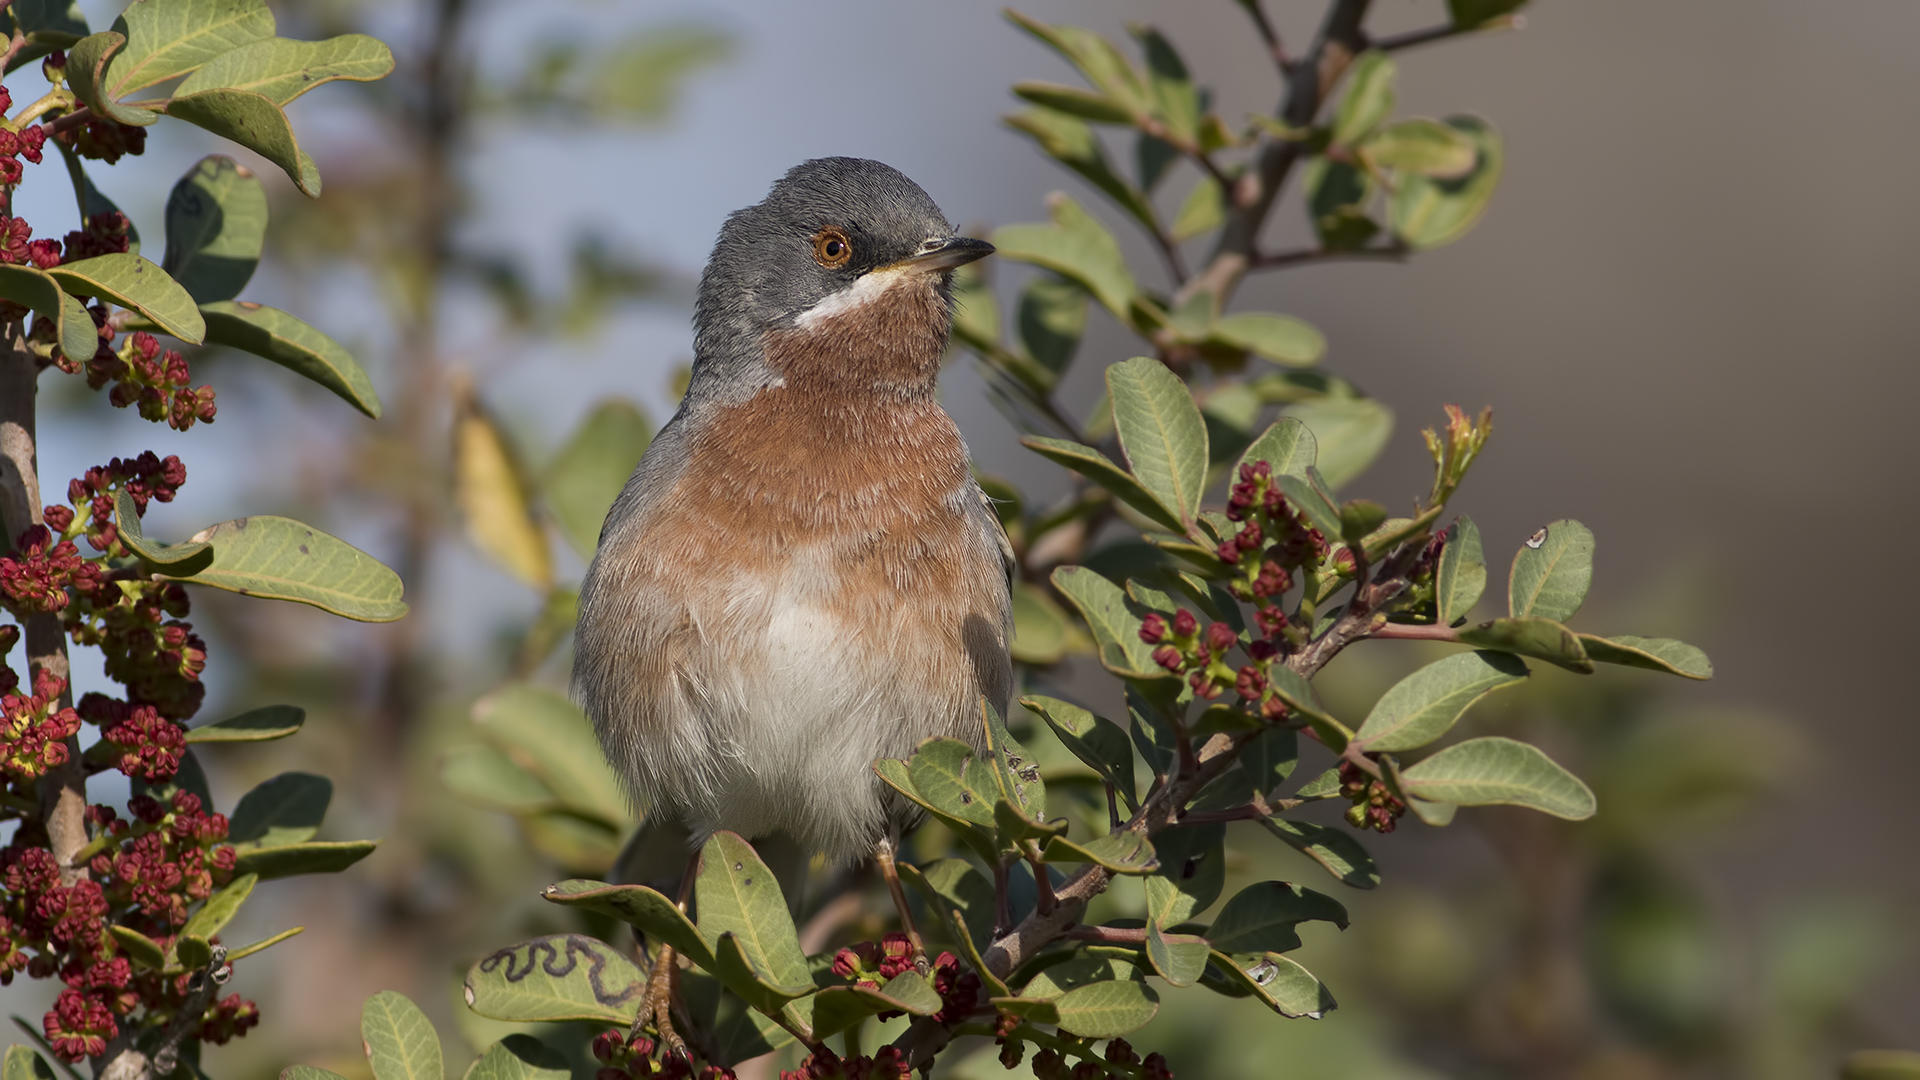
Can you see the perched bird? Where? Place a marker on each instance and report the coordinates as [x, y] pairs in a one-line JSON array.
[[802, 576]]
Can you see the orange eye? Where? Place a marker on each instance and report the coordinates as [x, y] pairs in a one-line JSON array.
[[831, 248]]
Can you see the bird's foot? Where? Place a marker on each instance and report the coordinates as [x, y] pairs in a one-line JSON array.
[[656, 1003]]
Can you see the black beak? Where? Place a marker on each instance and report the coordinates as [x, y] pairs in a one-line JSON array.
[[945, 253]]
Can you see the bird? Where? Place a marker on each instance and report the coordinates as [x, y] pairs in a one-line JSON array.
[[802, 575]]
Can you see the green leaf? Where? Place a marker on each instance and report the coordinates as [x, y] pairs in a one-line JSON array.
[[939, 772], [1462, 574], [1072, 143], [36, 289], [399, 1039], [172, 558], [1085, 104], [221, 907], [1542, 639], [167, 40], [548, 735], [1204, 210], [1094, 55], [1177, 958], [1551, 581], [47, 24], [976, 836], [744, 975], [255, 122], [1289, 686], [838, 1008], [1106, 1010], [1287, 445], [486, 777], [1426, 147], [1262, 917], [277, 336], [1116, 630], [254, 725], [1281, 984], [519, 1057], [1193, 870], [87, 75], [23, 1063], [556, 978], [658, 917], [1654, 654], [194, 952], [1426, 704], [1052, 318], [956, 888], [1076, 246], [1279, 338], [1310, 496], [1015, 774], [142, 949], [1369, 98], [589, 471], [1161, 431], [1349, 433], [1270, 757], [1468, 14], [1122, 852], [89, 198], [1095, 740], [1320, 787], [287, 809], [282, 69], [281, 559], [216, 228], [1101, 470], [245, 951], [313, 857], [1337, 198], [1176, 100], [1429, 212], [1335, 850], [738, 895], [1485, 772], [1359, 518]]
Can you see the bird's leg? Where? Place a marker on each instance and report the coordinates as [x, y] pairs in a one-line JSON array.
[[656, 1001], [883, 857]]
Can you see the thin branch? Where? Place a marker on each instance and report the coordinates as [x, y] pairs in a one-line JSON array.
[[1274, 46], [1444, 31], [69, 121]]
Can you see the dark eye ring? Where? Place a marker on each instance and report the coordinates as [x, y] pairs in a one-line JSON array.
[[831, 248]]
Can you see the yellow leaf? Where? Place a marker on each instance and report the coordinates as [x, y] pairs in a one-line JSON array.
[[492, 494]]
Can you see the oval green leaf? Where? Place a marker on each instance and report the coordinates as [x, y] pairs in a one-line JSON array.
[[1161, 431], [1349, 432], [519, 1057], [1262, 917], [254, 725], [1076, 246], [172, 558], [133, 282], [1485, 772], [1281, 984], [220, 908], [1279, 338], [1101, 470], [1335, 850], [1428, 212], [36, 289], [1106, 1010], [1426, 704], [1426, 147], [399, 1039], [485, 777], [547, 734], [1654, 654], [1462, 574], [556, 978], [282, 69], [255, 122], [738, 895], [313, 857], [216, 229], [287, 809], [636, 905], [277, 336], [1116, 630], [1369, 98], [1095, 740], [1542, 639], [281, 559], [1287, 445], [1551, 581]]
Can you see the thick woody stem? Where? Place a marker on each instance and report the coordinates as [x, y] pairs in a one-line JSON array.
[[63, 791]]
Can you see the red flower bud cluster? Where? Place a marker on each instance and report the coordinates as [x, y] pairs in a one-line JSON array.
[[887, 1063], [37, 576], [870, 963], [34, 728], [156, 381], [624, 1059], [145, 478], [9, 637], [102, 139], [1374, 804], [1185, 648], [150, 746], [1119, 1060], [100, 234]]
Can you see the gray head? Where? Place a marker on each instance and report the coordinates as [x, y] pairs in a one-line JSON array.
[[823, 227]]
